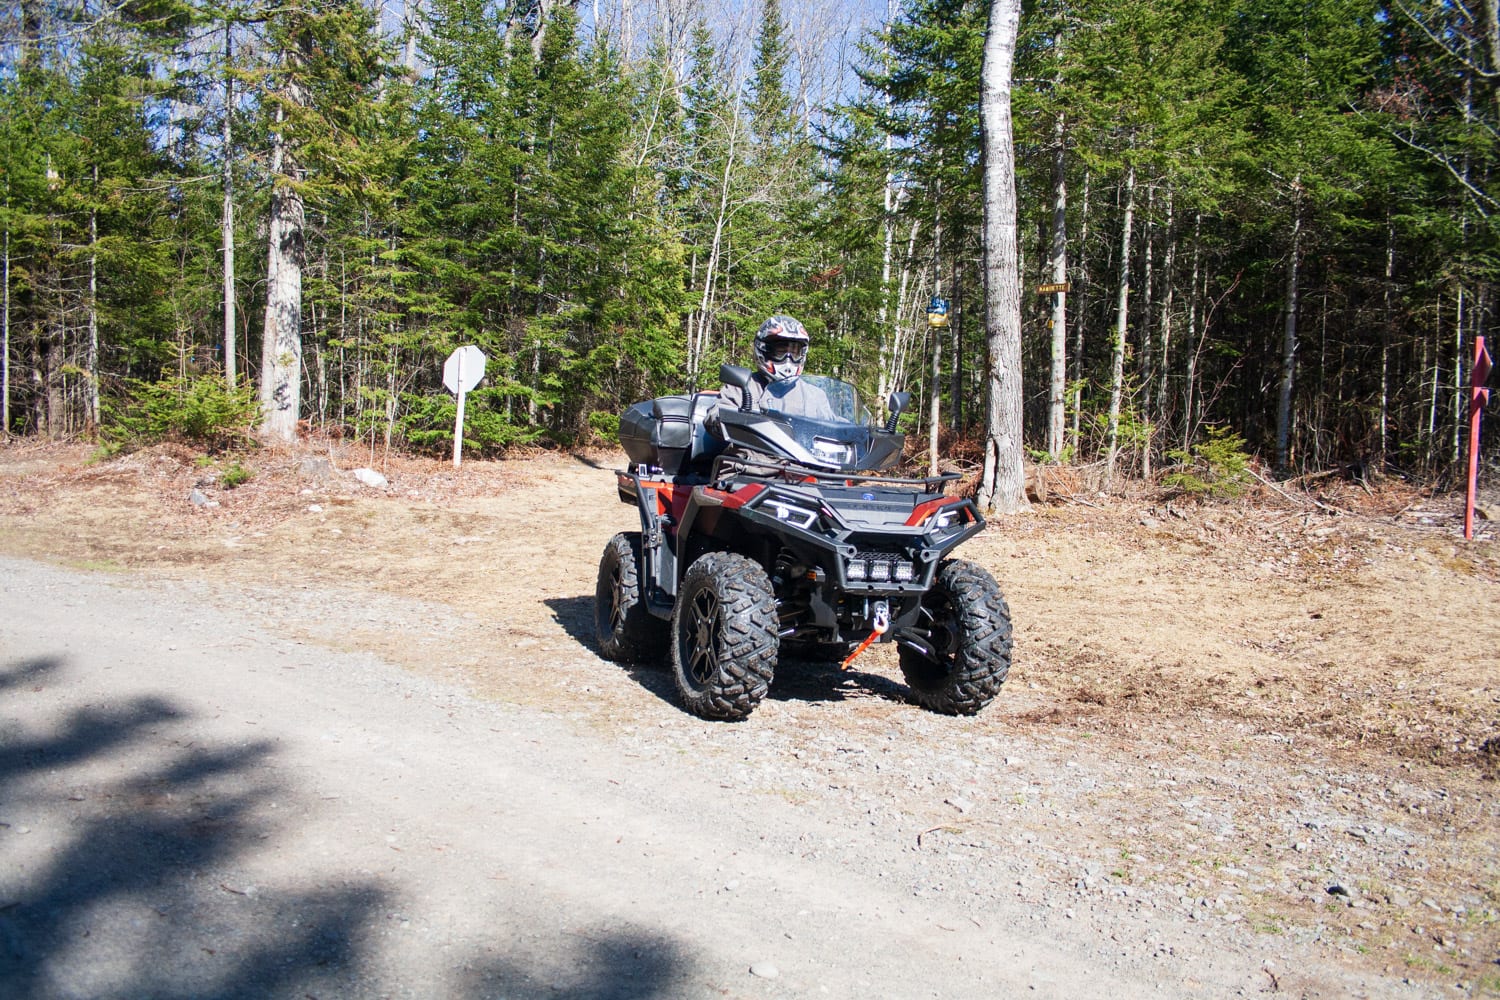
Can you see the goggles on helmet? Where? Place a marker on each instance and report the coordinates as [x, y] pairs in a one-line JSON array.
[[777, 349]]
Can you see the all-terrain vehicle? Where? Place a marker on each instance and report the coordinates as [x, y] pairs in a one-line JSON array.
[[767, 537]]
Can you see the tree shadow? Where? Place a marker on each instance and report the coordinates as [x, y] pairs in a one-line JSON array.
[[122, 901], [628, 963], [125, 843], [24, 672]]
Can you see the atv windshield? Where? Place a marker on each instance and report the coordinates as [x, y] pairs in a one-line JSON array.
[[843, 398], [850, 441]]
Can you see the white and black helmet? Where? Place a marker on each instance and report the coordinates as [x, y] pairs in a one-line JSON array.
[[781, 348]]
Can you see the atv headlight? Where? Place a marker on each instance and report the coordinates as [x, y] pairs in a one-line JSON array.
[[904, 572], [856, 570], [945, 520], [834, 452], [880, 572]]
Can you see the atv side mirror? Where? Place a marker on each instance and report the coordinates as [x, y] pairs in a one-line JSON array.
[[739, 378], [898, 402]]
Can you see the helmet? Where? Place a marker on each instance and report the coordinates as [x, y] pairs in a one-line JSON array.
[[781, 348]]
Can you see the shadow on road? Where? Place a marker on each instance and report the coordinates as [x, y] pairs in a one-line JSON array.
[[618, 964], [27, 672], [125, 845], [592, 464], [796, 679], [800, 680], [122, 898], [576, 616]]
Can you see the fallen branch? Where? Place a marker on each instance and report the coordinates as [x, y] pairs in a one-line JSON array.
[[1312, 500], [930, 829]]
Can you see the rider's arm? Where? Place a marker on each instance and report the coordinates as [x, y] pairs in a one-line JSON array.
[[730, 397]]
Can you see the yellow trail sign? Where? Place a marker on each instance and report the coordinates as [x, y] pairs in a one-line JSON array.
[[1060, 286]]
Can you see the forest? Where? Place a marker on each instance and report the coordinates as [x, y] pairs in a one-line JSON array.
[[1246, 225]]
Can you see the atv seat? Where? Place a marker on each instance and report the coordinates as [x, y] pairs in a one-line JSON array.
[[670, 433]]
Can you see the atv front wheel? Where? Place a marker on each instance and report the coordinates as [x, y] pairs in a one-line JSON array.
[[957, 655], [724, 644], [626, 631]]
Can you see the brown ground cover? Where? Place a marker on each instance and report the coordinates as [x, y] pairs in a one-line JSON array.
[[1324, 645]]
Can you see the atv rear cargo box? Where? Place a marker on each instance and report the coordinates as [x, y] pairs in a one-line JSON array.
[[662, 432]]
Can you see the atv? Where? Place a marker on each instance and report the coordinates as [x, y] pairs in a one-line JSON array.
[[768, 537]]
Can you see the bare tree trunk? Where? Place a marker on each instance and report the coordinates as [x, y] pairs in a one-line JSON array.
[[1385, 335], [1169, 266], [1147, 303], [934, 394], [698, 331], [1002, 483], [889, 318], [231, 372], [1437, 374], [1082, 313], [542, 14], [935, 378], [281, 347], [1057, 382], [1460, 314], [57, 402], [411, 13], [92, 361], [906, 286], [1289, 335], [956, 385], [1195, 306], [5, 332], [1122, 321]]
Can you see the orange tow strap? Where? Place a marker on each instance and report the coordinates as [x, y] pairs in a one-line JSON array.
[[882, 623]]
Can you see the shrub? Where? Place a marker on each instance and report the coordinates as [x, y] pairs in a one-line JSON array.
[[235, 475], [200, 409], [606, 426], [1219, 466]]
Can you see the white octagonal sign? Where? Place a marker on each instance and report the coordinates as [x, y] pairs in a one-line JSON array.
[[464, 369]]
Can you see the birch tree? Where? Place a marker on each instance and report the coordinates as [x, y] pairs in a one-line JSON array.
[[1002, 483]]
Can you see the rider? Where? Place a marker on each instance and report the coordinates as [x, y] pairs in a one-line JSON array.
[[780, 353]]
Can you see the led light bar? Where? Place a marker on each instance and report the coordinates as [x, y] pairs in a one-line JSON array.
[[799, 516]]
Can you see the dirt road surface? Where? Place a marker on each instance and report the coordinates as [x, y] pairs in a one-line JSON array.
[[309, 738]]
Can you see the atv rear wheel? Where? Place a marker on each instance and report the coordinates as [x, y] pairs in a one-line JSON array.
[[724, 644], [626, 631], [957, 655]]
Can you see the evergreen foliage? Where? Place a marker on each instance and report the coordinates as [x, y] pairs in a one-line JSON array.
[[198, 409], [1314, 209]]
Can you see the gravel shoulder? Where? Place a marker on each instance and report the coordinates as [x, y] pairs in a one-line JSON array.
[[1241, 752]]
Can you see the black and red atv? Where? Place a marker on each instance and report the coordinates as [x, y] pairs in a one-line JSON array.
[[774, 539]]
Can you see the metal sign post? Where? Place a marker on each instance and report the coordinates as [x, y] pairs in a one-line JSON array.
[[1478, 397], [463, 370]]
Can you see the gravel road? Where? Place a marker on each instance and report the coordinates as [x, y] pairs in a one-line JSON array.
[[195, 804]]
